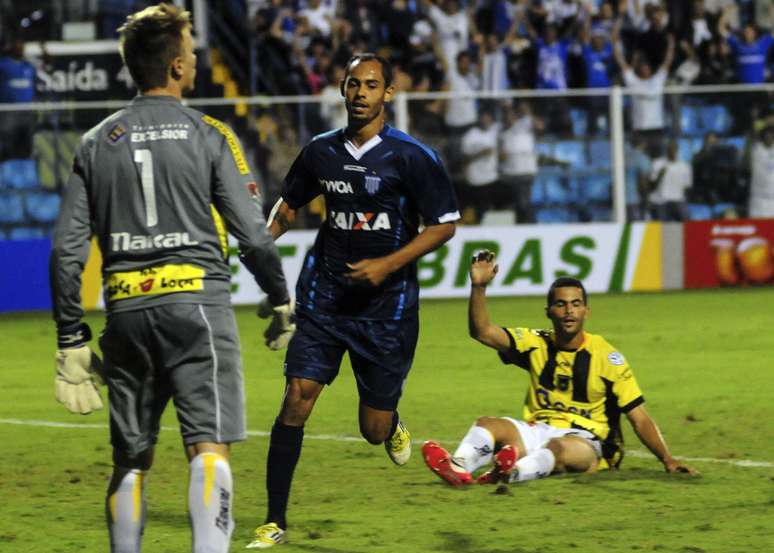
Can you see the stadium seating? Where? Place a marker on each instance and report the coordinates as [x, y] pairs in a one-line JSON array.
[[545, 149], [558, 191], [595, 187], [715, 119], [699, 212], [11, 208], [599, 152], [556, 215], [27, 233], [687, 147], [572, 152], [42, 207], [600, 213], [54, 152], [738, 142], [579, 118], [689, 121], [19, 174], [721, 210]]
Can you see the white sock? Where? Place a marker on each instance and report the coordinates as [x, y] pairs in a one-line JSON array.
[[210, 497], [125, 510], [475, 449], [538, 464]]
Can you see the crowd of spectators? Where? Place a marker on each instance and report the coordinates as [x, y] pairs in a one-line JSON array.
[[493, 148], [497, 45]]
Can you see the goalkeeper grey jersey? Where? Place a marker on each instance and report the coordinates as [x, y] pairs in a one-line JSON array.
[[159, 185]]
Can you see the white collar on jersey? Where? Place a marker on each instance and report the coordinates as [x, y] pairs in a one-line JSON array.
[[356, 152]]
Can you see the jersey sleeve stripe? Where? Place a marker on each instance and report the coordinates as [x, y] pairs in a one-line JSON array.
[[232, 142], [449, 217], [632, 404], [220, 227]]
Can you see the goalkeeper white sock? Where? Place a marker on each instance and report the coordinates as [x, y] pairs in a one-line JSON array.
[[210, 496], [475, 449], [538, 464], [125, 509]]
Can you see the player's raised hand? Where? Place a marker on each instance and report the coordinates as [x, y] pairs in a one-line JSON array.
[[483, 268], [675, 466], [369, 271]]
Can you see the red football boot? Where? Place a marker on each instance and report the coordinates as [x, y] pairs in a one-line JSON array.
[[438, 460], [504, 461]]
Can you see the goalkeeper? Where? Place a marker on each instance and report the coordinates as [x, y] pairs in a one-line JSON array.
[[159, 185], [579, 387]]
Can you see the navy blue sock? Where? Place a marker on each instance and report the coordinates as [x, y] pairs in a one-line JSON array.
[[284, 451]]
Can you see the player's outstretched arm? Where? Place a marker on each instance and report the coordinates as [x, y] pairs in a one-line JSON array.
[[482, 271], [374, 271], [649, 434]]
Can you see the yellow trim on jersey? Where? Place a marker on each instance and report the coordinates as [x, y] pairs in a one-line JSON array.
[[233, 144], [91, 283], [166, 279], [220, 228]]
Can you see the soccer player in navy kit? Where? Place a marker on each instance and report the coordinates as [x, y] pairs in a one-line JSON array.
[[358, 290]]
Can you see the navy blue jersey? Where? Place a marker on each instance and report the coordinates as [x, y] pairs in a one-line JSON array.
[[375, 197]]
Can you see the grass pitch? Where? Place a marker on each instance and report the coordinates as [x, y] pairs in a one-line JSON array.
[[705, 361]]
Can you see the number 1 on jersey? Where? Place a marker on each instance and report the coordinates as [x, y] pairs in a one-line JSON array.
[[145, 159]]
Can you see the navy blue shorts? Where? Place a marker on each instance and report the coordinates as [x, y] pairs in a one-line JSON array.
[[381, 353]]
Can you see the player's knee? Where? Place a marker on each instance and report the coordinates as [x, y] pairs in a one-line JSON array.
[[556, 447], [296, 409], [486, 422], [374, 433]]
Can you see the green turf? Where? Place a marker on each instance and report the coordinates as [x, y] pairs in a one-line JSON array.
[[705, 361]]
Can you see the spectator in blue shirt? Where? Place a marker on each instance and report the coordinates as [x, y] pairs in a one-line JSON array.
[[597, 53], [551, 53], [749, 53], [17, 85], [17, 75]]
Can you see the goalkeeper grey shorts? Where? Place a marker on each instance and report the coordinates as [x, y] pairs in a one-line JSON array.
[[187, 352]]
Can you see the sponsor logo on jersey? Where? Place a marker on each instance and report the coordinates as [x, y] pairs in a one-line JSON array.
[[372, 183], [356, 168], [116, 133], [543, 399], [160, 134], [125, 242], [166, 279], [615, 358], [252, 189], [338, 186], [355, 220]]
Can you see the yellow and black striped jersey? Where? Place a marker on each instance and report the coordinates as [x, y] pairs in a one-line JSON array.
[[586, 388]]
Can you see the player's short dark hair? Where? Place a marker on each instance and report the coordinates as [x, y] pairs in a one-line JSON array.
[[150, 40], [565, 282], [368, 56]]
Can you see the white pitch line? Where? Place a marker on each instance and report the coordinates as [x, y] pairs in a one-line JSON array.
[[745, 463]]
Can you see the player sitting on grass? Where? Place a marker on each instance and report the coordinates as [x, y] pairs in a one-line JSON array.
[[579, 386]]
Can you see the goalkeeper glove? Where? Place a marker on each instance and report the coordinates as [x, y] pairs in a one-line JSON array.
[[77, 371], [282, 325]]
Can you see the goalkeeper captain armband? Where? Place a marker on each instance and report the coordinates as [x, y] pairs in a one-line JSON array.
[[72, 336]]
